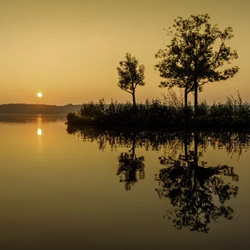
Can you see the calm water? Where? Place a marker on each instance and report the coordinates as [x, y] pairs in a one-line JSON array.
[[95, 190]]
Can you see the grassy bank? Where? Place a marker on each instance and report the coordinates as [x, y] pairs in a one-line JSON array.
[[156, 114]]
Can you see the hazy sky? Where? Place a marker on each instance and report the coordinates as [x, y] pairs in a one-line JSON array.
[[70, 49]]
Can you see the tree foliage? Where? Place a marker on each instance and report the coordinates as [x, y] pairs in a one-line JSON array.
[[130, 75], [196, 55]]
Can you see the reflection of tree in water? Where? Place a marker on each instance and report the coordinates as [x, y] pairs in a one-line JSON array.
[[197, 192], [131, 167]]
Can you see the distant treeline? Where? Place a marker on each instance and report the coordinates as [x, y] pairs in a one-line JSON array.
[[37, 109]]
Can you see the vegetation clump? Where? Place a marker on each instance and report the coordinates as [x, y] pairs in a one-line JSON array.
[[156, 114]]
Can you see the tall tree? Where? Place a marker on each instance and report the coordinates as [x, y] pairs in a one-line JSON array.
[[130, 75], [196, 55]]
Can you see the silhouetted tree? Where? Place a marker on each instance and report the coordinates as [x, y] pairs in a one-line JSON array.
[[192, 189], [196, 55], [130, 75]]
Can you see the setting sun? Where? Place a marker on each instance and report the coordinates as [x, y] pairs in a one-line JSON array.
[[39, 94]]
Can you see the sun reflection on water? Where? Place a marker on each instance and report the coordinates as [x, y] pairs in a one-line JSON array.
[[39, 131]]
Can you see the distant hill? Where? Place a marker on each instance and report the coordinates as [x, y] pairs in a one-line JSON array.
[[37, 109]]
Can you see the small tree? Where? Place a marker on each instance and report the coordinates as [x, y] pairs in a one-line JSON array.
[[196, 55], [130, 75]]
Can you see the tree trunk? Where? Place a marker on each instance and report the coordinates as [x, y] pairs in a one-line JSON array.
[[186, 98], [195, 97], [133, 94]]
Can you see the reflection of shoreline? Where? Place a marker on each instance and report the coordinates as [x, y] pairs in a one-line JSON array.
[[31, 118], [232, 142]]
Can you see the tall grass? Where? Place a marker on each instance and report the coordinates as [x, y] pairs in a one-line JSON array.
[[158, 114], [234, 112], [151, 114]]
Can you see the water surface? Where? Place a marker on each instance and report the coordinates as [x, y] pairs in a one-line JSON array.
[[64, 189]]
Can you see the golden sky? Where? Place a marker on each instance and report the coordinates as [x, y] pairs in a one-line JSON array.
[[70, 49]]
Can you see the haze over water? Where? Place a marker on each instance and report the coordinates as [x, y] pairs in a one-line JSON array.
[[95, 190]]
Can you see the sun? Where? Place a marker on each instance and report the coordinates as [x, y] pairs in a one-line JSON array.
[[39, 94]]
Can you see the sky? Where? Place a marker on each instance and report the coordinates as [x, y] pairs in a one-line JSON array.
[[70, 49]]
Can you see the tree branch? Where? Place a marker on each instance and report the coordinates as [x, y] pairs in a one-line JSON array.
[[127, 91], [217, 57]]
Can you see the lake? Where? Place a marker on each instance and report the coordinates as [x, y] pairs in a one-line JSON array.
[[65, 189]]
